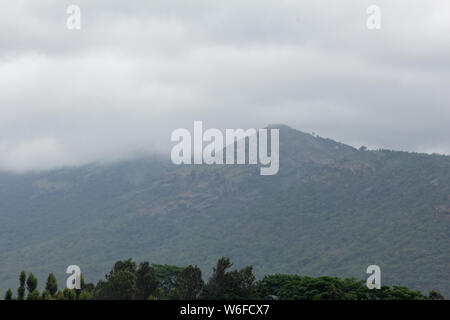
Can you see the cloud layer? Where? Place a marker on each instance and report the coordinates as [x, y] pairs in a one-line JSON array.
[[137, 70]]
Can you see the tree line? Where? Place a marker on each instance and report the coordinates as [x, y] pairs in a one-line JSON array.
[[127, 281]]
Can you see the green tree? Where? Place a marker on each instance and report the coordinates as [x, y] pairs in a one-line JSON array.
[[125, 265], [32, 283], [34, 295], [120, 283], [9, 294], [146, 281], [166, 275], [51, 285], [85, 295], [294, 287], [46, 295], [229, 285], [404, 293], [68, 294], [189, 283], [244, 282], [121, 286], [21, 289], [59, 295], [434, 295], [216, 285]]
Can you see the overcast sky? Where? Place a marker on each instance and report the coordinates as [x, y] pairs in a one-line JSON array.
[[137, 70]]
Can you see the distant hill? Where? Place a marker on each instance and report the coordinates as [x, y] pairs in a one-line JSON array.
[[331, 210]]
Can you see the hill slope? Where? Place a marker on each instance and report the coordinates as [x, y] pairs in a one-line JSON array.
[[331, 210]]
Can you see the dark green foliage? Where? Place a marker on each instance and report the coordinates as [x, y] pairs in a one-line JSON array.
[[243, 284], [46, 295], [125, 281], [166, 275], [434, 295], [21, 289], [34, 295], [225, 284], [51, 286], [122, 266], [32, 283], [68, 294], [396, 293], [85, 295], [120, 286], [292, 287], [87, 289], [59, 295], [9, 294], [146, 281], [120, 283], [189, 284], [149, 282], [217, 284]]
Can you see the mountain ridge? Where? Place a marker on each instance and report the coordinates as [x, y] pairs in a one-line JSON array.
[[331, 210]]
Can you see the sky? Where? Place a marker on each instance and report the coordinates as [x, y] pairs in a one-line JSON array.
[[137, 70]]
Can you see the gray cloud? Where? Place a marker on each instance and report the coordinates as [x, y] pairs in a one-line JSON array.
[[138, 70]]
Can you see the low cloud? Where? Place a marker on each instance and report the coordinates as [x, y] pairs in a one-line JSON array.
[[136, 71]]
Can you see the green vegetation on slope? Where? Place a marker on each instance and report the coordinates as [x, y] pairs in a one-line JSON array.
[[331, 210]]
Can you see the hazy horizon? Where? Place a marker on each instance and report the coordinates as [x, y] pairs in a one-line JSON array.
[[135, 72]]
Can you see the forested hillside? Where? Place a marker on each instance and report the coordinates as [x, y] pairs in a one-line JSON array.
[[332, 210]]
